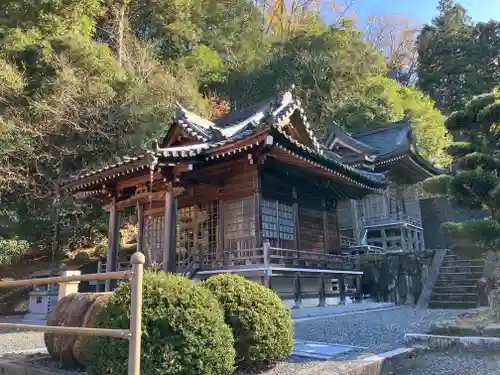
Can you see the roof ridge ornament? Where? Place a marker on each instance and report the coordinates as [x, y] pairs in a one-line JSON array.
[[288, 96]]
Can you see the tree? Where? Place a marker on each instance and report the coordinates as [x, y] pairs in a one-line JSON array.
[[457, 59], [327, 68], [475, 183], [66, 104], [395, 37]]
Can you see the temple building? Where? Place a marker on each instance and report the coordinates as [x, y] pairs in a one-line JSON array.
[[391, 220], [255, 193]]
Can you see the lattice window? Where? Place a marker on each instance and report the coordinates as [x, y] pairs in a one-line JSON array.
[[198, 231], [277, 220], [153, 237], [239, 224]]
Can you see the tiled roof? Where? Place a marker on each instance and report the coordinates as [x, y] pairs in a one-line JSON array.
[[242, 123], [273, 114], [386, 139]]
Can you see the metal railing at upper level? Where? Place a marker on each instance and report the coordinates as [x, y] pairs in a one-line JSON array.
[[391, 218], [133, 334]]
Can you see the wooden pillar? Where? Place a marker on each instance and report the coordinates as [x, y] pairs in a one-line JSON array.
[[403, 238], [267, 262], [342, 288], [322, 293], [139, 209], [173, 237], [295, 209], [359, 290], [221, 250], [298, 291], [355, 221], [384, 239], [257, 202], [113, 244], [168, 260], [325, 228]]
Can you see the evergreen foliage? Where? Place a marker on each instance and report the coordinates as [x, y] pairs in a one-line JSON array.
[[184, 332], [475, 183], [85, 82], [261, 324]]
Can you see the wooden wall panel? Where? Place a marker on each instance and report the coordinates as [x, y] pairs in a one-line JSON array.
[[311, 229], [241, 183], [332, 233], [345, 214]]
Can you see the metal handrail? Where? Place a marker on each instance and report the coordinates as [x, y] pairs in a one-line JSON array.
[[133, 334], [383, 219]]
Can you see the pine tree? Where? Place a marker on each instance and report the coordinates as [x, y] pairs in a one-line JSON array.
[[475, 182]]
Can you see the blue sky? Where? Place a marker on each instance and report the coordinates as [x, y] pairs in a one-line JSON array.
[[422, 11]]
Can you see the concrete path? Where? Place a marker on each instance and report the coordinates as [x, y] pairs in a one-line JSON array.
[[314, 312]]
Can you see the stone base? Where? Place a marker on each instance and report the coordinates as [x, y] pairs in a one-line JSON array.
[[442, 343], [358, 363]]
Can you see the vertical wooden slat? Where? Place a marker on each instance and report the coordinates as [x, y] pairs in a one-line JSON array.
[[257, 201], [173, 238], [342, 288], [322, 294], [167, 231], [112, 257], [298, 290], [296, 220], [222, 228], [325, 229]]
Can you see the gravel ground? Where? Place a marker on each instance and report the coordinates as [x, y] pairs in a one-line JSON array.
[[451, 363], [377, 331], [15, 341]]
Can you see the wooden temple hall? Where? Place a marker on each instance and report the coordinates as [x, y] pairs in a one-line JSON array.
[[253, 192]]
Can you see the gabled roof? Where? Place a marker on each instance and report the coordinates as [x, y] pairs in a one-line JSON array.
[[279, 122], [387, 139], [277, 110], [385, 146]]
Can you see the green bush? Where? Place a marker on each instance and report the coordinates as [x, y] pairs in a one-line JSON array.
[[82, 257], [261, 324], [11, 249], [184, 332]]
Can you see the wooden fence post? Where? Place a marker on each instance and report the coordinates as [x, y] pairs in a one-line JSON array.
[[65, 289], [267, 264], [134, 348]]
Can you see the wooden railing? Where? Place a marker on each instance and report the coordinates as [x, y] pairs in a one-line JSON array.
[[274, 256], [133, 334]]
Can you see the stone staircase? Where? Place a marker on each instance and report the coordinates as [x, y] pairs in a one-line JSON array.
[[456, 286]]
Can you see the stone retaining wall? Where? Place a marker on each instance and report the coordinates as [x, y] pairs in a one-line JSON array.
[[395, 277]]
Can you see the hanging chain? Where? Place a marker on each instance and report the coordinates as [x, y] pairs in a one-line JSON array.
[[152, 262]]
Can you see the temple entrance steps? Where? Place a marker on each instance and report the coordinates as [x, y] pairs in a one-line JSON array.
[[457, 285]]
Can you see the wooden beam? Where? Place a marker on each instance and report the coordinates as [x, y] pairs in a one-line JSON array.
[[142, 198], [131, 201], [139, 180]]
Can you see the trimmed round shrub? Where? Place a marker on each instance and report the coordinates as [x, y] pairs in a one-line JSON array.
[[184, 332], [262, 325]]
